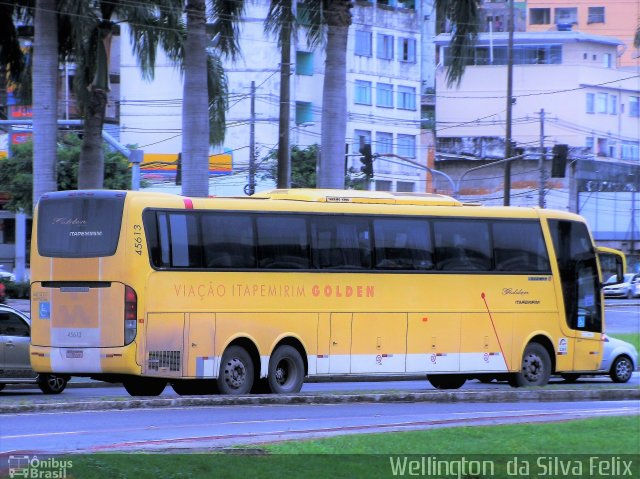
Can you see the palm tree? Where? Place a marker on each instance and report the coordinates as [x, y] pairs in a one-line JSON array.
[[89, 26], [281, 22], [205, 88], [45, 98]]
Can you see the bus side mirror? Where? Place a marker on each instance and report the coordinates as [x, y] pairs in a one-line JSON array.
[[612, 261]]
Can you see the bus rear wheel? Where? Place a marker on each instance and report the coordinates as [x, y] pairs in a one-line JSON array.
[[144, 386], [236, 371], [447, 381], [286, 371], [535, 369]]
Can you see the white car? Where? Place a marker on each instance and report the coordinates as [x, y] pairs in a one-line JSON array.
[[619, 361], [6, 275], [620, 290], [15, 366], [635, 286]]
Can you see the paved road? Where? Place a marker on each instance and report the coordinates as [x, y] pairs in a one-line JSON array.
[[215, 427]]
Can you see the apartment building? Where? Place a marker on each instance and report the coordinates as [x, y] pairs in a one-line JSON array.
[[384, 63]]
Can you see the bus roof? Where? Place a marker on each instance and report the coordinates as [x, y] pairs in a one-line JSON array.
[[358, 196]]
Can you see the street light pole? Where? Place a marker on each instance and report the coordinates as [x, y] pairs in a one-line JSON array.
[[507, 140]]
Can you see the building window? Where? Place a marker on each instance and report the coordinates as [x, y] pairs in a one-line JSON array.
[[407, 50], [591, 99], [601, 102], [630, 150], [384, 95], [383, 185], [608, 60], [304, 112], [633, 106], [588, 142], [407, 146], [385, 47], [363, 43], [360, 138], [613, 104], [539, 16], [406, 98], [596, 15], [363, 92], [405, 187], [384, 143], [304, 63], [566, 15]]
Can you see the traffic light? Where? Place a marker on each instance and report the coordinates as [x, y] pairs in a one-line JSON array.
[[367, 161], [559, 160]]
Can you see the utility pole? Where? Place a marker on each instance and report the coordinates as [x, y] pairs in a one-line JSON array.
[[284, 159], [507, 141], [251, 187], [541, 162]]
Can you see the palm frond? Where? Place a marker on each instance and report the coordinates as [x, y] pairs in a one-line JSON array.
[[463, 15], [311, 18], [226, 15], [281, 20], [217, 88], [10, 52]]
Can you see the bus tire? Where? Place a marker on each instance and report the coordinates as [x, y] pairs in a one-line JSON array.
[[52, 383], [144, 386], [447, 381], [535, 369], [286, 370], [236, 371]]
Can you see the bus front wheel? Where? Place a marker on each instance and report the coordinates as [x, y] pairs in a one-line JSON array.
[[535, 369], [446, 381], [236, 371], [286, 371], [144, 386]]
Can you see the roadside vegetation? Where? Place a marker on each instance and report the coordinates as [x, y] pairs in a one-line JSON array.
[[371, 455]]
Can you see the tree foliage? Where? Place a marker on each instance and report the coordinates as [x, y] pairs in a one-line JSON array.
[[16, 172]]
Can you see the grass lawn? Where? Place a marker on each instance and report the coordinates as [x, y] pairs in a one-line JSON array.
[[498, 451]]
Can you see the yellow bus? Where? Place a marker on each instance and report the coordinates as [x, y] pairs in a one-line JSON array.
[[255, 294]]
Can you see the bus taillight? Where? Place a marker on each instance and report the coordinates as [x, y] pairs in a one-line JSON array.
[[130, 314]]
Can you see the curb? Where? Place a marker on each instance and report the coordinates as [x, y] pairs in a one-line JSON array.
[[430, 396]]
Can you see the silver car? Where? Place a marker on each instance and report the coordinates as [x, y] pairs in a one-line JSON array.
[[620, 290], [15, 367], [619, 361]]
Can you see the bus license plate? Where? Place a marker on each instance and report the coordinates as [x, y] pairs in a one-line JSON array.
[[74, 354]]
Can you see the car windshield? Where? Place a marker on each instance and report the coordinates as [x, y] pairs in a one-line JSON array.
[[613, 279]]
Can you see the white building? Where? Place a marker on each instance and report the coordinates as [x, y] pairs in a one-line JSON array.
[[384, 63]]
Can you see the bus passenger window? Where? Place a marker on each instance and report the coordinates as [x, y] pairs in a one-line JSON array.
[[282, 242], [341, 243], [185, 246], [518, 246], [228, 241], [403, 244], [462, 245]]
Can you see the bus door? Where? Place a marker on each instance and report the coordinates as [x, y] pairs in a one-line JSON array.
[[340, 343], [580, 282], [164, 349], [199, 345]]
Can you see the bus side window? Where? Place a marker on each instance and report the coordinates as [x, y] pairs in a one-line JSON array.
[[341, 243], [282, 242], [228, 241], [403, 244], [462, 245], [518, 246]]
